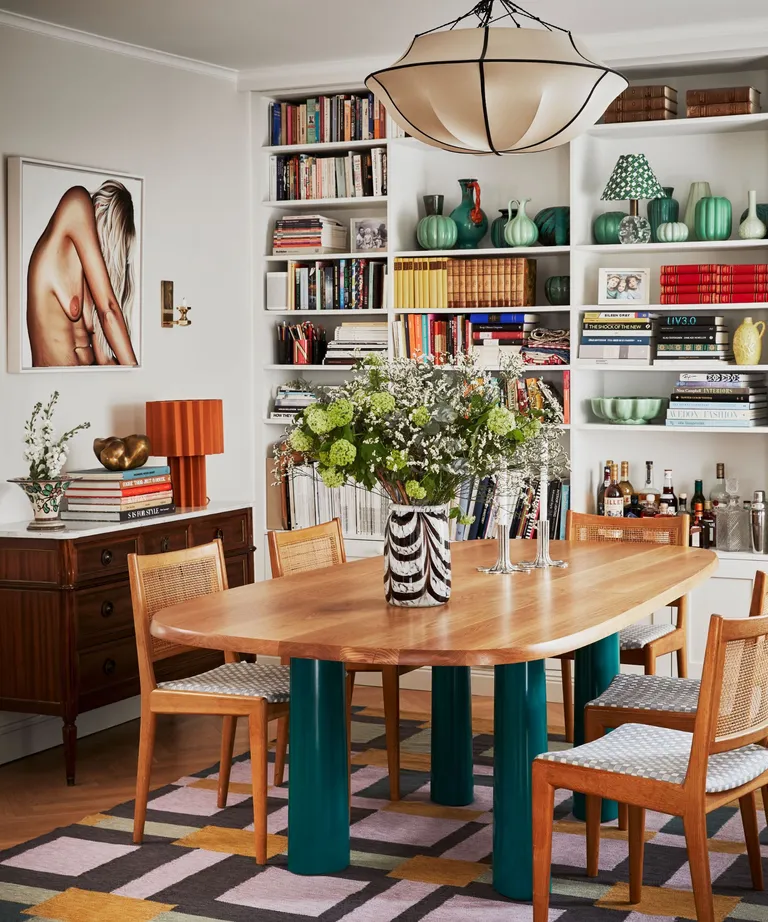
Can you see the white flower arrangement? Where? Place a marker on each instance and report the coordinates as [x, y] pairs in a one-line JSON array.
[[46, 454]]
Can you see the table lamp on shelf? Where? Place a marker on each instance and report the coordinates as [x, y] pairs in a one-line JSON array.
[[631, 180], [185, 431]]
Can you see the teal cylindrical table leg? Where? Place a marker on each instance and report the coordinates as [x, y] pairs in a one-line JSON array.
[[318, 793], [520, 734], [451, 773], [596, 667]]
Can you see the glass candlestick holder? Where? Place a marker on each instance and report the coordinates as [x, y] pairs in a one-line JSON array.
[[543, 561], [503, 501]]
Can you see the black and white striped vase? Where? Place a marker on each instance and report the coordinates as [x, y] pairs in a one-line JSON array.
[[417, 556]]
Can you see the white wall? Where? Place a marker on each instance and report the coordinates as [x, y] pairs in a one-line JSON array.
[[188, 135]]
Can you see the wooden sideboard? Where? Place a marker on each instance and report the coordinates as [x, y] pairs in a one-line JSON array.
[[67, 643]]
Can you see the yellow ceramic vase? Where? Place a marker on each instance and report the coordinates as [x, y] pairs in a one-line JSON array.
[[748, 342]]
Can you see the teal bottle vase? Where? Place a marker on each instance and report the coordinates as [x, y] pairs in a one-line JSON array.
[[554, 226], [662, 211], [557, 290], [471, 221], [606, 227], [436, 231], [714, 218], [497, 228], [521, 231]]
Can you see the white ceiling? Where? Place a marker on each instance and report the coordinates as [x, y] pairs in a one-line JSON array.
[[247, 34]]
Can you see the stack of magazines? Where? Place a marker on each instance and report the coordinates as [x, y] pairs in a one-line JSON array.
[[99, 495]]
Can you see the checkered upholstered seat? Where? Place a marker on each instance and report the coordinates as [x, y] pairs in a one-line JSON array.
[[250, 679], [650, 693], [637, 636], [662, 754]]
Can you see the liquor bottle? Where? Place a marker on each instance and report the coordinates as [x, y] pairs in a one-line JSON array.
[[625, 486], [663, 508], [719, 494], [668, 493], [708, 526], [613, 499], [682, 504], [649, 508], [602, 488], [696, 528], [648, 486], [634, 510]]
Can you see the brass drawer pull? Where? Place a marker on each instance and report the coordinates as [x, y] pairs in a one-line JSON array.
[[109, 667], [219, 534], [107, 608], [165, 544], [106, 558]]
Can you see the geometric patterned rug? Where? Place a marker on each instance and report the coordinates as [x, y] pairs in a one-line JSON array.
[[412, 861]]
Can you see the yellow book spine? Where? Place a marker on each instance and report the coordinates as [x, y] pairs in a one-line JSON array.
[[434, 281]]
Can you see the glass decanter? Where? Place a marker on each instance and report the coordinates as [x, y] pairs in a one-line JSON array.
[[732, 521]]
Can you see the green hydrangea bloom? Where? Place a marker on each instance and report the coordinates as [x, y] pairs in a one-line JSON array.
[[332, 477], [396, 461], [317, 420], [300, 441], [415, 490], [500, 421], [340, 412], [358, 397], [382, 403], [373, 360], [420, 416], [322, 456], [342, 452]]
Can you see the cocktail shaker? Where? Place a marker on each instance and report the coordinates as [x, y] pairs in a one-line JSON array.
[[757, 514]]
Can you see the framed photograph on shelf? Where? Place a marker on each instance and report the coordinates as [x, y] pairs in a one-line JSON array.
[[367, 235], [74, 267], [622, 286]]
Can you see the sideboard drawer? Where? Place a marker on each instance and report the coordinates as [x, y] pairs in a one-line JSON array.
[[109, 664], [103, 557], [231, 529], [103, 613], [238, 570], [160, 540]]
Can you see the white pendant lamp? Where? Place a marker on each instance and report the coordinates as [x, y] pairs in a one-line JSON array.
[[496, 90]]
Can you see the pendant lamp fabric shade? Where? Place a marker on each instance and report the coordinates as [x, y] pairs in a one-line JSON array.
[[632, 178], [501, 90]]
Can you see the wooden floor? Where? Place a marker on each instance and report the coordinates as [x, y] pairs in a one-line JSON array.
[[34, 797]]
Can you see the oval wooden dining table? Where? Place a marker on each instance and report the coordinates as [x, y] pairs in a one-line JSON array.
[[325, 618]]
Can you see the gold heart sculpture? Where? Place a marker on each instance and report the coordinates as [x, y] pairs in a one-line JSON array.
[[122, 454]]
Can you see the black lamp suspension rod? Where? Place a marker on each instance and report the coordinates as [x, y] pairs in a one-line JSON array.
[[483, 11]]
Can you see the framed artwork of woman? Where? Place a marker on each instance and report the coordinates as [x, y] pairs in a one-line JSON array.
[[74, 267]]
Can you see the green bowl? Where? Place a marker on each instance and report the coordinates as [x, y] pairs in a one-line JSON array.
[[628, 411]]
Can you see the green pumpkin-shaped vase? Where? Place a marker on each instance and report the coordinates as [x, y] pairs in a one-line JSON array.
[[471, 220], [714, 218], [436, 231], [662, 211], [554, 226], [557, 290], [497, 228], [606, 227], [672, 232], [521, 231]]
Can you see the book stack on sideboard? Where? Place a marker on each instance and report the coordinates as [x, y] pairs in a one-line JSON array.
[[731, 100], [99, 495], [656, 102]]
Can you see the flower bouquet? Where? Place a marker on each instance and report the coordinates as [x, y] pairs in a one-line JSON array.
[[414, 429]]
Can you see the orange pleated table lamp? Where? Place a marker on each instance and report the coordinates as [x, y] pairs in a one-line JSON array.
[[185, 431]]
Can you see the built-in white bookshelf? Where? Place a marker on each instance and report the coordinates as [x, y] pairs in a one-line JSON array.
[[729, 152]]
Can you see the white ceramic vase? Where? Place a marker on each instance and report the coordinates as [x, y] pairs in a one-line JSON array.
[[417, 556], [699, 190], [752, 228]]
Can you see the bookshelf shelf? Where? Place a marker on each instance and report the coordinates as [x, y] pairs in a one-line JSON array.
[[693, 366], [488, 251], [324, 147], [689, 246], [352, 314], [682, 127], [358, 201], [685, 308], [311, 368], [708, 430], [538, 309], [324, 257]]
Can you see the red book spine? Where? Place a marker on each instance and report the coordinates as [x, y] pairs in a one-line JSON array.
[[690, 278], [668, 289], [691, 268], [691, 299]]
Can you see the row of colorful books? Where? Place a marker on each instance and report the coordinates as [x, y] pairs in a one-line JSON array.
[[428, 334], [715, 401], [478, 498], [305, 177], [713, 283], [99, 495], [341, 284], [308, 234], [322, 119], [473, 282]]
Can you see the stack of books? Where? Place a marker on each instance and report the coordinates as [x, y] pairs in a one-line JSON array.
[[624, 336], [353, 341], [300, 177], [719, 401], [322, 119], [308, 234], [682, 337], [99, 495], [341, 284], [713, 283], [730, 100], [643, 104], [432, 283], [290, 401]]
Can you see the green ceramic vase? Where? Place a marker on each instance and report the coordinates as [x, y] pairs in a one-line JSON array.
[[471, 220], [606, 227], [672, 232], [497, 228], [554, 226], [557, 290], [714, 218], [436, 231], [520, 231], [662, 211]]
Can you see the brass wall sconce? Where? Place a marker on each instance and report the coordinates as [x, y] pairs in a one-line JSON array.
[[167, 308]]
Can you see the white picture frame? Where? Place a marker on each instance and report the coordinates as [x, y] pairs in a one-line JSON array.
[[368, 235], [44, 198], [623, 287]]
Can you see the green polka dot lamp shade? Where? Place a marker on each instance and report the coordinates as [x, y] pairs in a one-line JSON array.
[[632, 178]]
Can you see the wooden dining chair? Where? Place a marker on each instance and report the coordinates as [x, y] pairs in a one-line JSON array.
[[322, 546], [640, 644], [671, 771], [260, 693], [659, 701]]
